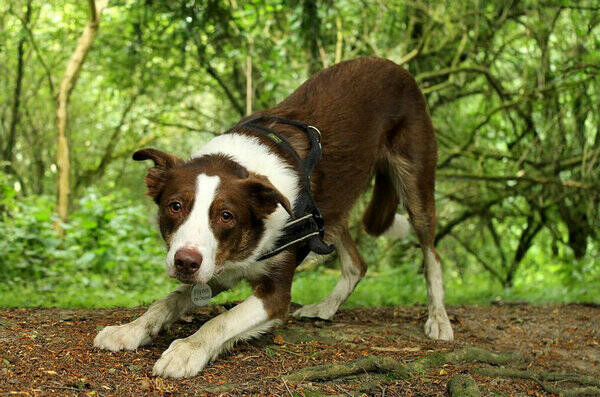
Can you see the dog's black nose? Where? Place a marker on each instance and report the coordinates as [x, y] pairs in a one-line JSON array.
[[187, 260]]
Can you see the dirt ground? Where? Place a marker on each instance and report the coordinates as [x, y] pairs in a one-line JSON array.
[[49, 352]]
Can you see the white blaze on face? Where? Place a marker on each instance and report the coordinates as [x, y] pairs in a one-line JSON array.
[[195, 232]]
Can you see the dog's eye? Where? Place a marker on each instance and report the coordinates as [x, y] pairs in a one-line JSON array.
[[175, 206], [226, 216]]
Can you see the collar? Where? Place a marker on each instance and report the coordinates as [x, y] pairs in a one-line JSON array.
[[306, 228]]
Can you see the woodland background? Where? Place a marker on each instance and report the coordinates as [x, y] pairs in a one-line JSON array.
[[513, 88]]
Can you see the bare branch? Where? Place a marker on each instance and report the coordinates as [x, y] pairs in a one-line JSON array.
[[183, 126], [479, 259], [477, 69], [110, 147], [516, 178]]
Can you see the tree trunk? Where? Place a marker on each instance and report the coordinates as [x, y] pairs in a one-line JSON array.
[[339, 39], [64, 94], [249, 76], [8, 152], [310, 27], [531, 230]]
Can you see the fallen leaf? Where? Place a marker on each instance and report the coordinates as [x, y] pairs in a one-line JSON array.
[[414, 349], [144, 384], [386, 349]]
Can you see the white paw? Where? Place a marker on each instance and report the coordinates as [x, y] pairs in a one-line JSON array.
[[183, 359], [122, 337], [323, 310], [438, 326]]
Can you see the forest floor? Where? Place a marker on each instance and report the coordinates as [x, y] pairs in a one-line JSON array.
[[543, 350]]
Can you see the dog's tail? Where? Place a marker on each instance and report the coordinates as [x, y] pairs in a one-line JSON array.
[[380, 216]]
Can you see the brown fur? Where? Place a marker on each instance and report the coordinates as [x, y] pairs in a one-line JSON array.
[[374, 122], [158, 175], [274, 289], [379, 215]]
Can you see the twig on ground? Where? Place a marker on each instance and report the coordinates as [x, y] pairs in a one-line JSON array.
[[286, 387], [64, 388]]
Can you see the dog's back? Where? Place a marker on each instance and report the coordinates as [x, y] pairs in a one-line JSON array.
[[374, 121]]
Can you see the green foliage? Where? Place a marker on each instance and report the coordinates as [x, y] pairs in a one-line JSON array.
[[112, 256], [109, 247], [513, 89]]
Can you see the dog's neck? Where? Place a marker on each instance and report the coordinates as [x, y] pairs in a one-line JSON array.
[[257, 157]]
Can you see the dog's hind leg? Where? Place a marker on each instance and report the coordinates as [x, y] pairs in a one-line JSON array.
[[412, 170], [353, 269]]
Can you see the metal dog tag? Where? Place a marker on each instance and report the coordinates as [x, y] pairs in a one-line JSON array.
[[201, 294]]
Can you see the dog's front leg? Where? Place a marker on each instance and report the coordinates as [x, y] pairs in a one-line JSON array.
[[159, 316], [257, 314], [139, 332]]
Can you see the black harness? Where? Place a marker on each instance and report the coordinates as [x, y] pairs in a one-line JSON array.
[[306, 227]]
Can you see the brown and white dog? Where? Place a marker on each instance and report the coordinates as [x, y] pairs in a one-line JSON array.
[[223, 208]]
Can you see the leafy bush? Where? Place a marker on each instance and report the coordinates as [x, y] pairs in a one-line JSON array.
[[112, 256], [109, 245]]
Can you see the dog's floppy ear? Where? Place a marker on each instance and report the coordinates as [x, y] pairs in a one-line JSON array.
[[264, 197], [161, 159], [157, 175]]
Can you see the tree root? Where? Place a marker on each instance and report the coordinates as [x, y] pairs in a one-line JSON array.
[[580, 391], [465, 355], [463, 385], [361, 365], [544, 377], [537, 375], [402, 371]]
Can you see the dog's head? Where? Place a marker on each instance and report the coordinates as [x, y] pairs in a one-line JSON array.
[[211, 210]]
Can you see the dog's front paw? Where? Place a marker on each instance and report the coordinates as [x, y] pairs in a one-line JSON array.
[[183, 359], [122, 337], [438, 326]]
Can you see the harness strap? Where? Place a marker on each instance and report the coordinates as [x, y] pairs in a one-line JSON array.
[[295, 232], [306, 227]]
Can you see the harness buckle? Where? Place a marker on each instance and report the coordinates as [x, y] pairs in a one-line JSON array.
[[312, 127]]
